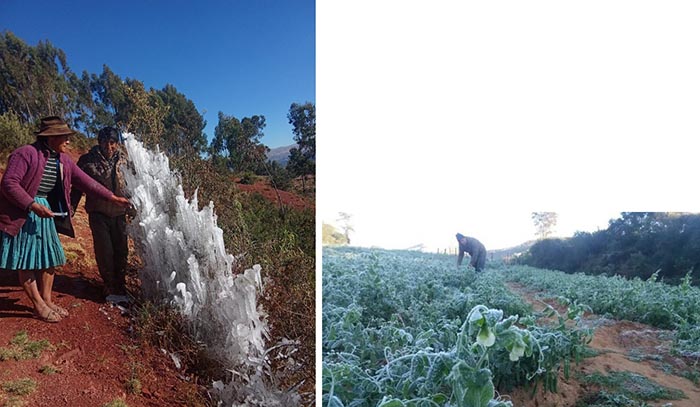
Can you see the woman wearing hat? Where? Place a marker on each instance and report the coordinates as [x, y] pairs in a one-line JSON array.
[[34, 207]]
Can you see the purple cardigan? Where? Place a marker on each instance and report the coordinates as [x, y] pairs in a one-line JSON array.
[[20, 184]]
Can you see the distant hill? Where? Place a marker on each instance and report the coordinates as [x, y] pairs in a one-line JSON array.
[[280, 154], [504, 254]]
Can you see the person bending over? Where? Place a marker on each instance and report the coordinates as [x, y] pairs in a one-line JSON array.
[[476, 250]]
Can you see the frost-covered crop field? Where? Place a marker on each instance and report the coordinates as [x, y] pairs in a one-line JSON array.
[[410, 328], [652, 302]]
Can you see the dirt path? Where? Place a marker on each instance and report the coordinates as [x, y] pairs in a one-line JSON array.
[[615, 341]]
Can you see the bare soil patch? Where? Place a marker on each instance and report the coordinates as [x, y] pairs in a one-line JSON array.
[[277, 196], [621, 346]]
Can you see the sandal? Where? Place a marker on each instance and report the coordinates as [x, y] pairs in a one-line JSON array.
[[51, 317], [62, 312]]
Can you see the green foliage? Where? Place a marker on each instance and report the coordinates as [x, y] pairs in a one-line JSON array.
[[183, 124], [116, 403], [143, 114], [103, 100], [133, 386], [133, 383], [279, 176], [633, 386], [303, 119], [302, 160], [79, 142], [647, 301], [409, 328], [20, 387], [13, 133], [248, 178], [34, 81], [12, 401], [21, 347], [605, 399], [161, 326], [635, 245], [48, 370], [237, 143]]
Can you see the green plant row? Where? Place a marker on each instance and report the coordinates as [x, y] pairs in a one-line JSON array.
[[652, 302]]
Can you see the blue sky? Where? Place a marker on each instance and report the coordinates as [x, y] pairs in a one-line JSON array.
[[239, 57]]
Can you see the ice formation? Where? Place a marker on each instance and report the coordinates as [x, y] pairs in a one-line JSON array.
[[186, 264]]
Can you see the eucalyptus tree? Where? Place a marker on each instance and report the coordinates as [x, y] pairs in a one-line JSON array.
[[33, 80], [544, 223], [302, 159], [236, 144], [109, 99], [143, 113], [183, 125]]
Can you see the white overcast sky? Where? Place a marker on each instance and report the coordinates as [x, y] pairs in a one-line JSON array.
[[450, 116]]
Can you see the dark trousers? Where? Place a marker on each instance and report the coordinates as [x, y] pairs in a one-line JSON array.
[[111, 250], [479, 260]]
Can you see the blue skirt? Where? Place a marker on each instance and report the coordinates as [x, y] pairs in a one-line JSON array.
[[35, 247]]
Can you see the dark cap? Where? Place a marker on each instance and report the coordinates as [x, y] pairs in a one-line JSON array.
[[459, 236], [108, 133]]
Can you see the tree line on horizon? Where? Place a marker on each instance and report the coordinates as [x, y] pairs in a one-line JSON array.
[[36, 81], [638, 244]]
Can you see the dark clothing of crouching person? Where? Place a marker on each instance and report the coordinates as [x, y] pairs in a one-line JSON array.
[[476, 250]]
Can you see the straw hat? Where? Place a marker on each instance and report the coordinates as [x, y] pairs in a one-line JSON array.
[[53, 126]]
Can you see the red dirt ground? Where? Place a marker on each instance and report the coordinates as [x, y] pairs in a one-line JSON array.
[[92, 350], [268, 192]]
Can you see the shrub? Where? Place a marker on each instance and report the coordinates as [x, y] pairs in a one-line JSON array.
[[13, 133], [22, 348], [279, 176], [20, 387], [248, 178], [116, 403]]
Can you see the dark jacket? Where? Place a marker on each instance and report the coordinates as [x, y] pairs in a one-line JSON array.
[[106, 172], [20, 184], [476, 250]]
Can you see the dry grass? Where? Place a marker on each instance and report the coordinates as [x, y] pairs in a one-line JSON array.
[[21, 348]]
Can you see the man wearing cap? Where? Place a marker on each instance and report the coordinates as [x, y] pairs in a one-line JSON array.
[[476, 250], [34, 207], [107, 220]]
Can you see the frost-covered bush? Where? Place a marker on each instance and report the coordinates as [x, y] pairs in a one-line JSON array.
[[186, 265]]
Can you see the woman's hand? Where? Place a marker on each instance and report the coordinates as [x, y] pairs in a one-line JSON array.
[[40, 210], [120, 200]]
